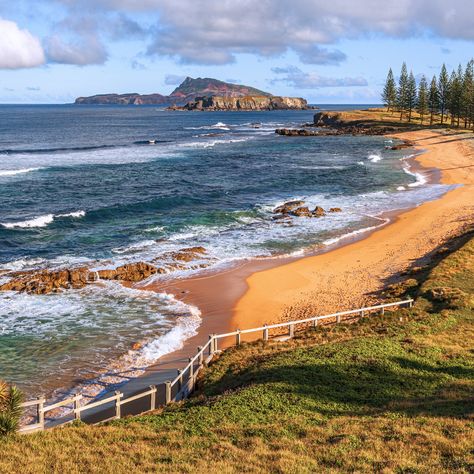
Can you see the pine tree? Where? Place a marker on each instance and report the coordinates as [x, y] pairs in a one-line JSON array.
[[389, 94], [422, 103], [467, 94], [411, 95], [402, 90], [451, 97], [433, 99], [443, 89]]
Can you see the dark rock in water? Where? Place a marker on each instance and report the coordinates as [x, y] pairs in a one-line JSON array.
[[318, 212], [188, 254], [287, 207], [335, 209], [41, 282], [301, 212], [131, 272], [406, 144], [325, 119], [294, 132]]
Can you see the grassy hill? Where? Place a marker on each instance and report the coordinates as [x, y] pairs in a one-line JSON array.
[[385, 394]]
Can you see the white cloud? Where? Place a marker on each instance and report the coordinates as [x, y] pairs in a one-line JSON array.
[[299, 79], [88, 50], [210, 32], [18, 48], [174, 79]]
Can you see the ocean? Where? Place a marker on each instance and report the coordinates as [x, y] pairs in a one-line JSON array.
[[100, 186]]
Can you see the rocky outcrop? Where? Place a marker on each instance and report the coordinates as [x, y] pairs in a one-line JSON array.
[[131, 272], [296, 209], [327, 119], [46, 281], [294, 132], [188, 254], [41, 282], [251, 102], [287, 207], [302, 211]]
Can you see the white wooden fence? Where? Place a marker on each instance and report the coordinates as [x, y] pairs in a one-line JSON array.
[[183, 384]]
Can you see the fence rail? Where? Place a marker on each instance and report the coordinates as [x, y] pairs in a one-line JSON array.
[[184, 382]]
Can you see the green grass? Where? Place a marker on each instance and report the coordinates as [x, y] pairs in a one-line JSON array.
[[385, 394]]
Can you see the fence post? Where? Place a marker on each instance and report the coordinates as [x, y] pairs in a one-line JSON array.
[[180, 380], [382, 311], [315, 323], [199, 349], [211, 344], [410, 304], [117, 405], [40, 410], [77, 412], [265, 333], [237, 338], [167, 392], [191, 368], [362, 313], [292, 330], [338, 318], [153, 397], [215, 342]]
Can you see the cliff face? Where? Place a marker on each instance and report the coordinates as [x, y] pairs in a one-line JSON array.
[[254, 102]]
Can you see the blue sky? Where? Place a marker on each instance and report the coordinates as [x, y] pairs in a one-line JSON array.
[[52, 51]]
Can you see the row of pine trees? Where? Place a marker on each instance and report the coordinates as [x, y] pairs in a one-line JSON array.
[[450, 97]]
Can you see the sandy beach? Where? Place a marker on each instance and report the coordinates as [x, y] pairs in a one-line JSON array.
[[348, 274]]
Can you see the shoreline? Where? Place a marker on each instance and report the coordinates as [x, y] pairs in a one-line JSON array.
[[232, 298], [248, 303]]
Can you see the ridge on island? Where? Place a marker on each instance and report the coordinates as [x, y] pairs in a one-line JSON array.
[[187, 91]]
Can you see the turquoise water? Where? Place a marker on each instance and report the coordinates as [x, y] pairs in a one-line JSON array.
[[84, 186]]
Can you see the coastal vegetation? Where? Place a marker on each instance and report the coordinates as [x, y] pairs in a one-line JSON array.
[[10, 408], [449, 96], [384, 394]]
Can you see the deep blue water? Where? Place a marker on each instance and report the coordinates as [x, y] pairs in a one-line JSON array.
[[84, 185]]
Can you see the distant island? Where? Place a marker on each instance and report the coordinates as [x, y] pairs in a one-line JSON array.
[[202, 94]]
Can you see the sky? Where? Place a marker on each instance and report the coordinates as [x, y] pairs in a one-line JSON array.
[[327, 51]]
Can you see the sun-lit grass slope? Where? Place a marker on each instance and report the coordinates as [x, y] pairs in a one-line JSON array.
[[385, 394]]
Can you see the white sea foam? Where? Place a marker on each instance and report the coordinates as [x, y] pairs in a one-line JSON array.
[[72, 214], [135, 247], [174, 339], [18, 171], [401, 188], [420, 177], [374, 157], [213, 143], [221, 126], [40, 221], [356, 232]]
